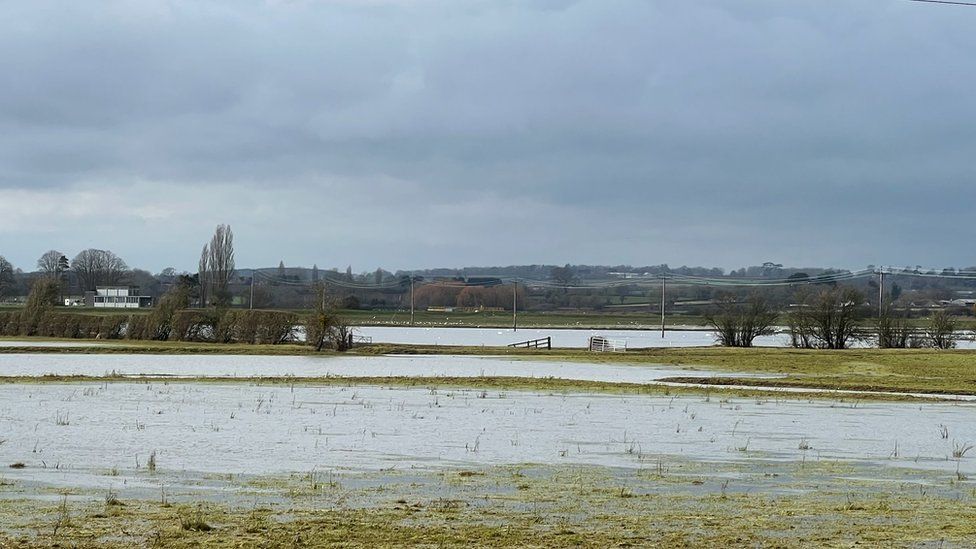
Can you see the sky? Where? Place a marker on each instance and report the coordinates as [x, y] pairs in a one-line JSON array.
[[407, 134]]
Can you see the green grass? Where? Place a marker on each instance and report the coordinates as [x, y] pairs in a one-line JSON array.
[[906, 370]]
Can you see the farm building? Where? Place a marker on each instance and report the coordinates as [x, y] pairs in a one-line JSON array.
[[118, 297]]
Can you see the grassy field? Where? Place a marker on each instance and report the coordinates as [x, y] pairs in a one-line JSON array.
[[667, 501], [907, 370]]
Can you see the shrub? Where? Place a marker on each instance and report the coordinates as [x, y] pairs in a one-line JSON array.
[[192, 325]]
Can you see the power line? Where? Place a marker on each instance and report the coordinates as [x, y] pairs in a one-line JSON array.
[[945, 2]]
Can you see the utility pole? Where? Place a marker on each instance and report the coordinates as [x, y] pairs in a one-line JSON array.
[[880, 292], [250, 301], [664, 285], [515, 306], [411, 300]]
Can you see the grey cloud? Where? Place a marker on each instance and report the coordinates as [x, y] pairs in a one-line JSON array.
[[742, 131]]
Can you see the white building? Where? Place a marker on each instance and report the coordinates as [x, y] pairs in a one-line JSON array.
[[119, 297]]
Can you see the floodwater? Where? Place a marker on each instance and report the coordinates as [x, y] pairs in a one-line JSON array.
[[74, 434], [498, 337], [567, 337], [561, 337], [29, 364]]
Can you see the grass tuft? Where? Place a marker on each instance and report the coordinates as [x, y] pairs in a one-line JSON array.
[[959, 450], [193, 521]]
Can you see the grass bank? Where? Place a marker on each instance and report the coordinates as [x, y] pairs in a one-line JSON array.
[[904, 370], [481, 385]]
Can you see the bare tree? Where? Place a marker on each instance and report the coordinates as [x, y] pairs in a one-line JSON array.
[[894, 332], [6, 276], [204, 275], [217, 266], [53, 264], [827, 320], [738, 324], [324, 326], [98, 268], [85, 266], [941, 330], [114, 270]]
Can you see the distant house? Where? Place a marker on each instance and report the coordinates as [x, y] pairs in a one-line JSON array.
[[118, 297]]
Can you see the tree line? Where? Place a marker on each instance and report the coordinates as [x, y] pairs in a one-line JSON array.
[[173, 320], [218, 282], [827, 318]]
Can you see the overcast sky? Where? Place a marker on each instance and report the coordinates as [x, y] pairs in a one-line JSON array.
[[408, 134]]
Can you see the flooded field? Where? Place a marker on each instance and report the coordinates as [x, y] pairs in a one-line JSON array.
[[177, 462], [325, 366], [73, 433], [569, 338], [561, 337], [564, 338], [171, 457]]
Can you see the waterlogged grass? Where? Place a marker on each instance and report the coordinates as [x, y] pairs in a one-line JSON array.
[[897, 370], [544, 385], [674, 504], [902, 370], [485, 383]]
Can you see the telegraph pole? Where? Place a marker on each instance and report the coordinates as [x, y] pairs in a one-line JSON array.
[[664, 285], [880, 291], [411, 300], [250, 300], [515, 306]]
